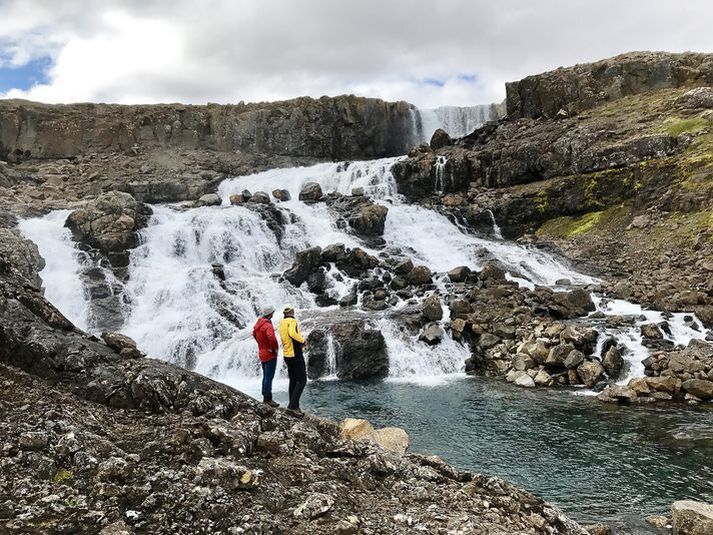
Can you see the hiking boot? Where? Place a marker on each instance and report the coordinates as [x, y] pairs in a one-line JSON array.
[[297, 413], [272, 403]]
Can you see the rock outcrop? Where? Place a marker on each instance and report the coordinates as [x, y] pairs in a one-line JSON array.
[[366, 128], [578, 88]]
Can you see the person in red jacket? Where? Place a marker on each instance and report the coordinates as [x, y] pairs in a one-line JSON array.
[[264, 334]]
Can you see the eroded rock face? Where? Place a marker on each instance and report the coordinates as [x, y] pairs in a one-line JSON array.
[[22, 254], [581, 87], [110, 224]]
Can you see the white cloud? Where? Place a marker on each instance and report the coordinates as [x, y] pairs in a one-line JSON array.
[[134, 51]]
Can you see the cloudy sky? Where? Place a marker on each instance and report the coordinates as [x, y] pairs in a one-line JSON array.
[[430, 53]]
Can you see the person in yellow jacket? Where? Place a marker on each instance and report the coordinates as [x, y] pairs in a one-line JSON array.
[[292, 342]]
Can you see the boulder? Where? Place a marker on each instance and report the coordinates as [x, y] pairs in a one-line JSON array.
[[431, 308], [209, 199], [701, 388], [492, 272], [281, 195], [355, 428], [440, 139], [459, 307], [459, 274], [567, 305], [543, 378], [305, 263], [360, 351], [22, 254], [617, 393], [357, 192], [651, 331], [558, 354], [591, 372], [696, 98], [692, 518], [236, 198], [311, 192], [574, 359], [613, 362], [122, 344], [370, 220], [420, 275], [110, 223], [522, 362], [260, 197], [525, 381], [404, 267]]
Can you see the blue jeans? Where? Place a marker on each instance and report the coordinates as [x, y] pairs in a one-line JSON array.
[[268, 373]]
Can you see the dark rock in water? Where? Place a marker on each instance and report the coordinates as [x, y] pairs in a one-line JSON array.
[[317, 357], [613, 362], [431, 308], [420, 275], [316, 281], [370, 220], [459, 274], [459, 307], [404, 267], [360, 351], [334, 253], [260, 197], [110, 223], [218, 270], [566, 305], [439, 139], [398, 283], [651, 331], [591, 372], [281, 195], [492, 271], [305, 262], [209, 199], [311, 192]]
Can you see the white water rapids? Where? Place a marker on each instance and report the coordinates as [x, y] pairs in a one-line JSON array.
[[177, 309]]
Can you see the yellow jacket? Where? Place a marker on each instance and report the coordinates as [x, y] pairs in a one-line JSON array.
[[289, 331]]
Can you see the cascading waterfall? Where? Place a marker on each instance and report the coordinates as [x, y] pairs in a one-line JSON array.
[[63, 287], [179, 309], [457, 121]]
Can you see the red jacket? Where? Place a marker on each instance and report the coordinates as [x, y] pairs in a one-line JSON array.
[[264, 334]]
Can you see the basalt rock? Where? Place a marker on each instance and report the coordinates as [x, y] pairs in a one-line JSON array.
[[110, 224], [311, 192]]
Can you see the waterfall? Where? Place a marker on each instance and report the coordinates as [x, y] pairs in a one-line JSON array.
[[457, 121], [496, 229], [177, 308], [63, 263]]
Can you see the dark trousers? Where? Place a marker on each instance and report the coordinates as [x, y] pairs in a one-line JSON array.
[[297, 372], [268, 374]]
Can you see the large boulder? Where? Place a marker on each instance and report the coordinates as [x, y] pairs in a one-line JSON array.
[[305, 263], [359, 351], [440, 139], [311, 192], [591, 372], [110, 223], [701, 388], [692, 518], [613, 362], [420, 275], [431, 308], [370, 220]]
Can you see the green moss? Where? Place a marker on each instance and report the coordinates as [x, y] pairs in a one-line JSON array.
[[61, 476], [567, 227], [542, 201], [675, 126]]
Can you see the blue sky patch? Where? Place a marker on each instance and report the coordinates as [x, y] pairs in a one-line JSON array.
[[25, 76], [433, 81], [470, 78]]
